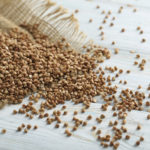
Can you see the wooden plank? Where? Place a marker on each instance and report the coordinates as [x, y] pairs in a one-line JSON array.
[[47, 137]]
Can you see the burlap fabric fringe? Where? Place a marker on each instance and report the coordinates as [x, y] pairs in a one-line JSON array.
[[54, 21]]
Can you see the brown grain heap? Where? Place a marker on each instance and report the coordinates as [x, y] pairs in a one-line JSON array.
[[54, 71]]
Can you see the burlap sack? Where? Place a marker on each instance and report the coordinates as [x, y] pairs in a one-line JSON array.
[[53, 20]]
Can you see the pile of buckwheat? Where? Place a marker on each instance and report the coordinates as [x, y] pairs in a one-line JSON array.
[[28, 66]]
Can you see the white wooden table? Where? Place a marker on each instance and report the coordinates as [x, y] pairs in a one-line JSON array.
[[49, 138]]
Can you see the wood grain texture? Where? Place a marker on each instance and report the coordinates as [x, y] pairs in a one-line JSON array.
[[47, 137]]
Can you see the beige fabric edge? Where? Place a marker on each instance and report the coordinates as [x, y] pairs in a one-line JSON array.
[[53, 20]]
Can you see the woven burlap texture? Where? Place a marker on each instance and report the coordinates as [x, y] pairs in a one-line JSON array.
[[54, 21]]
